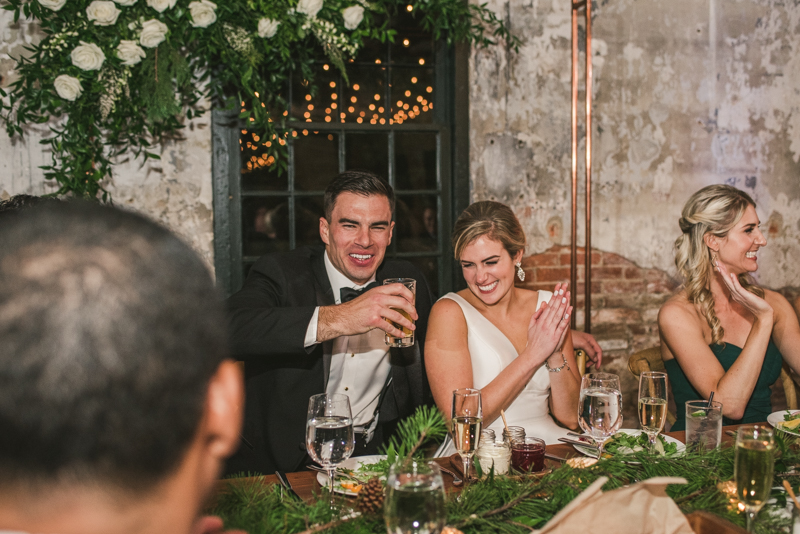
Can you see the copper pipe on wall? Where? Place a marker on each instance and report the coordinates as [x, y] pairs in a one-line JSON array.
[[576, 6]]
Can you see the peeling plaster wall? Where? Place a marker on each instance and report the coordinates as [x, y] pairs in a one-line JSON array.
[[176, 190], [686, 93]]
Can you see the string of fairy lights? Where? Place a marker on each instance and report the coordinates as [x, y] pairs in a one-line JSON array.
[[361, 107]]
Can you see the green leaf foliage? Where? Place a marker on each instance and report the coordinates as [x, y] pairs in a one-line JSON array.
[[127, 109]]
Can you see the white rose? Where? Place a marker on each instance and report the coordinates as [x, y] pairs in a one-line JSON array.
[[203, 13], [68, 87], [88, 56], [153, 33], [267, 27], [352, 17], [125, 2], [103, 12], [130, 52], [161, 5], [55, 5], [309, 7]]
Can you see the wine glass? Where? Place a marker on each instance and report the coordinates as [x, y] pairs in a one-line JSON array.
[[415, 500], [600, 407], [652, 404], [752, 468], [467, 417], [329, 432]]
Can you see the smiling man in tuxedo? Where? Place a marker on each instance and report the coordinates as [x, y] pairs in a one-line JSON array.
[[313, 320]]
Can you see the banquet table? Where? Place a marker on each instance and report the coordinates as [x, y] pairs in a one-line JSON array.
[[306, 486]]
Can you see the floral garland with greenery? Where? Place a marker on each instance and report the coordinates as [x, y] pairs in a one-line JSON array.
[[119, 76]]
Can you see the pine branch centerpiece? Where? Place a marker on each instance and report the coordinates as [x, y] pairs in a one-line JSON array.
[[117, 77], [498, 504]]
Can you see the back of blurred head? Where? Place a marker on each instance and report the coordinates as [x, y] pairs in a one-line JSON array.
[[111, 371]]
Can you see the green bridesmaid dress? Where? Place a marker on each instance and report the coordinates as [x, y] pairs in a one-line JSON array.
[[759, 405]]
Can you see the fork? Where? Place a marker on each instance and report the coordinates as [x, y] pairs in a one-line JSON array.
[[339, 474], [457, 480]]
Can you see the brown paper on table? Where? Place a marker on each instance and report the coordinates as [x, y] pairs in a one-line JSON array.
[[643, 508]]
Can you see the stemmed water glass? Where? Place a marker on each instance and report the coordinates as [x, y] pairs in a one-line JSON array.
[[652, 404], [752, 468], [467, 418], [600, 407], [329, 433]]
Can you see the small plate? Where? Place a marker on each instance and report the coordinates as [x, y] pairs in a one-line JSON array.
[[594, 453], [353, 464], [777, 417]]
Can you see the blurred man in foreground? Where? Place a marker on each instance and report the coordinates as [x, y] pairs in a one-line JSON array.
[[117, 405]]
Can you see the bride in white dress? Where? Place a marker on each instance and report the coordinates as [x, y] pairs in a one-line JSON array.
[[510, 343]]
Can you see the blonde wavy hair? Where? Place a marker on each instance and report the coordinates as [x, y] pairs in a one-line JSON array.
[[492, 219], [713, 210]]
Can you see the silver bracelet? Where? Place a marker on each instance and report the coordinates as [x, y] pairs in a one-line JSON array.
[[557, 369]]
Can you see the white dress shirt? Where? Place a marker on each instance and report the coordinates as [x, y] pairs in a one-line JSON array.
[[359, 364]]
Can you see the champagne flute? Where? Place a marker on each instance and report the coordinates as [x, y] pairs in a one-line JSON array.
[[600, 407], [415, 499], [652, 404], [467, 417], [329, 433], [752, 468]]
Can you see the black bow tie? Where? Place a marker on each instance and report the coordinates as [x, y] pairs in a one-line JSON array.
[[348, 293]]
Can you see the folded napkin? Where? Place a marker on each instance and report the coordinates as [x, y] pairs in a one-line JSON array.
[[643, 508]]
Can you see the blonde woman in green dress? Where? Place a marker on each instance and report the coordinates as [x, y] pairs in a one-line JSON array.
[[722, 332]]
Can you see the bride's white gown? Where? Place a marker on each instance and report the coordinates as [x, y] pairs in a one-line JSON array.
[[491, 352]]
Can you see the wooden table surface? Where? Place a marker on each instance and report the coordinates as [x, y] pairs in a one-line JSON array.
[[306, 485]]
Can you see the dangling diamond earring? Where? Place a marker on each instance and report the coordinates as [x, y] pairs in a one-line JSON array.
[[520, 272]]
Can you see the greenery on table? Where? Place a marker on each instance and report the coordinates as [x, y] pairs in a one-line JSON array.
[[120, 76], [484, 507]]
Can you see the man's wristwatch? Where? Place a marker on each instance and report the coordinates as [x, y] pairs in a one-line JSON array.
[[557, 369]]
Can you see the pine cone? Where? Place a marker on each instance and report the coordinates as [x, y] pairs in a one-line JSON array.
[[370, 498]]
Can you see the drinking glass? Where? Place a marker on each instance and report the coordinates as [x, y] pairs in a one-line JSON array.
[[408, 340], [703, 424], [652, 404], [752, 468], [329, 432], [415, 500], [600, 406], [467, 417]]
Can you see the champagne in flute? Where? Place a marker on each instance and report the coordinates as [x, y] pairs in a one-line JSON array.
[[753, 469], [466, 434], [652, 404], [652, 414], [466, 417]]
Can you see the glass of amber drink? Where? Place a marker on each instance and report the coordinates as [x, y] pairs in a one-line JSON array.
[[408, 339]]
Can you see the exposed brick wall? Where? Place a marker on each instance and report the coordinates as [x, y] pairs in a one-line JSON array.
[[624, 313]]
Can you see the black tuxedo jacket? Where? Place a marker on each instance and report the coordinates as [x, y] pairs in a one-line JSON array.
[[269, 317]]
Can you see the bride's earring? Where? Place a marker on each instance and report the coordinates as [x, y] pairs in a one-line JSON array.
[[520, 272]]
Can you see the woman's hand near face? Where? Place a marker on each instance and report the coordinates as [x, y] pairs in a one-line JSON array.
[[759, 307], [549, 326]]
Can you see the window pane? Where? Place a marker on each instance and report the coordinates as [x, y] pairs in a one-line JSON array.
[[373, 52], [412, 95], [321, 106], [265, 225], [316, 159], [258, 171], [430, 268], [369, 152], [308, 210], [366, 83], [416, 223], [411, 44], [415, 160]]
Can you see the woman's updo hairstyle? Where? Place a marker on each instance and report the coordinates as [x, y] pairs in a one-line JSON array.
[[492, 219], [713, 210]]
